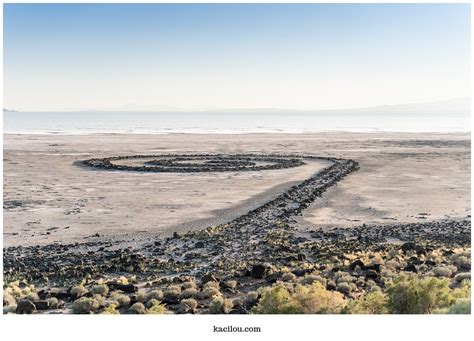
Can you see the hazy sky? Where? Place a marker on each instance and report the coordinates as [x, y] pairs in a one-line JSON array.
[[310, 56]]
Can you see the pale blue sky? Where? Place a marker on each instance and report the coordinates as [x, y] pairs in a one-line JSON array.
[[313, 56]]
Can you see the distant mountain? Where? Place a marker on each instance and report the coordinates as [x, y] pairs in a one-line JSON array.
[[457, 106]]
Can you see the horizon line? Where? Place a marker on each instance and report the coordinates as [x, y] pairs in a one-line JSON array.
[[184, 110]]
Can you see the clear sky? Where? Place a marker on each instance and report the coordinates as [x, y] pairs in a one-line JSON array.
[[191, 56]]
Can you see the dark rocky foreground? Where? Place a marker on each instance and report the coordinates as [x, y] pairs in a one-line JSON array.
[[233, 260]]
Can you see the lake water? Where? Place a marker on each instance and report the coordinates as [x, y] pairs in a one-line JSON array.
[[226, 122]]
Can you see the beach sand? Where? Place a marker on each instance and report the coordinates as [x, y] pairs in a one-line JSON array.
[[403, 177]]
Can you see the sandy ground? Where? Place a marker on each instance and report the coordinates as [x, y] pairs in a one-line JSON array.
[[402, 178]]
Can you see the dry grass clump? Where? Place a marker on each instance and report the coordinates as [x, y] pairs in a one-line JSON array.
[[288, 277], [393, 264], [311, 278], [444, 271], [137, 308], [32, 296], [85, 305], [344, 287], [121, 299], [78, 290], [342, 276], [155, 307], [111, 309], [188, 305], [231, 284], [100, 289], [53, 302], [250, 299], [173, 290], [155, 294], [220, 305], [211, 284], [313, 299], [210, 290], [191, 284], [8, 298], [9, 309], [189, 293]]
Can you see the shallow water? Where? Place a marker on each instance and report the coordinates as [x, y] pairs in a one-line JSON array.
[[226, 122]]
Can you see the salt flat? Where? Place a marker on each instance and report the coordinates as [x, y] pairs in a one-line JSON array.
[[47, 198]]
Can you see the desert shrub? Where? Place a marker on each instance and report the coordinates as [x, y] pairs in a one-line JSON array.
[[190, 292], [188, 304], [462, 276], [173, 290], [342, 276], [9, 309], [8, 298], [393, 253], [313, 299], [154, 294], [462, 260], [155, 307], [14, 290], [122, 299], [393, 264], [376, 259], [232, 284], [99, 298], [78, 290], [189, 285], [111, 309], [372, 303], [85, 305], [275, 300], [461, 306], [211, 284], [32, 296], [443, 271], [220, 305], [53, 302], [123, 280], [250, 299], [464, 290], [209, 292], [100, 289], [310, 279], [408, 295], [288, 277], [141, 296], [137, 308], [344, 287]]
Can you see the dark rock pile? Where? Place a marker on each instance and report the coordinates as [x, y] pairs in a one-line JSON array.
[[194, 163]]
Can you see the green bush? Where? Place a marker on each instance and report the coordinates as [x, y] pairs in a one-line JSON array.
[[409, 295], [372, 303], [275, 300], [313, 299], [462, 306]]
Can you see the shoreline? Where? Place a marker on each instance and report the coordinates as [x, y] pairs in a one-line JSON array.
[[217, 133]]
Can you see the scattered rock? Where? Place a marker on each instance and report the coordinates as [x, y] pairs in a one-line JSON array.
[[25, 306]]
